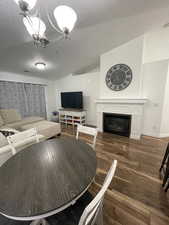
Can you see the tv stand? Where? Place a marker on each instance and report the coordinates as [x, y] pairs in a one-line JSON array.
[[72, 116]]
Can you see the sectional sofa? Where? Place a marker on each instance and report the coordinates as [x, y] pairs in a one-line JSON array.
[[11, 120]]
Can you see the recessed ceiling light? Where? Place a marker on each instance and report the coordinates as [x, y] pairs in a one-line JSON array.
[[40, 65]]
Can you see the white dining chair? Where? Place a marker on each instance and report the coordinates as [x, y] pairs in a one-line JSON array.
[[87, 130], [22, 138], [91, 213], [5, 154]]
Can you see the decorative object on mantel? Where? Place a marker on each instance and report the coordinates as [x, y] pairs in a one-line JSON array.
[[119, 77], [64, 15]]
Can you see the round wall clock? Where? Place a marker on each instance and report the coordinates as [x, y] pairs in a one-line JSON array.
[[118, 77]]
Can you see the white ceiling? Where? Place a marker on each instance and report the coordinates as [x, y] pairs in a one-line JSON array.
[[102, 25]]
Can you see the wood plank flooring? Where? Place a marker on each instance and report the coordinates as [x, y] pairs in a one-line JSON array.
[[135, 196]]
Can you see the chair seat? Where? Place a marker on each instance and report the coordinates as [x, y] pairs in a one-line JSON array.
[[69, 216]]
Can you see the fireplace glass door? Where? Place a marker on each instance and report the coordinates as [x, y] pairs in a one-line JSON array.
[[119, 124]]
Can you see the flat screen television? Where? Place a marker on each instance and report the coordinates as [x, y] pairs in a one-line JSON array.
[[72, 100]]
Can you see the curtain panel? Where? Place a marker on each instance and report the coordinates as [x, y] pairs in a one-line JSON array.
[[28, 99]]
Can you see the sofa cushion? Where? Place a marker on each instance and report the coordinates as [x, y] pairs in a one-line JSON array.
[[24, 121], [3, 140], [10, 115], [45, 128], [32, 119], [1, 121]]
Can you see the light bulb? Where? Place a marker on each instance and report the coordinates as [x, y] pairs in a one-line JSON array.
[[35, 26], [65, 17]]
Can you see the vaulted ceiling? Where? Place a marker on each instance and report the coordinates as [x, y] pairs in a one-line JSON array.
[[102, 25]]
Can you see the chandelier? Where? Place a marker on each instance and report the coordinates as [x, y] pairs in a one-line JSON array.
[[64, 15]]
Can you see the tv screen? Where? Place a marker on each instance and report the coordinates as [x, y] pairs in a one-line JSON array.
[[72, 100]]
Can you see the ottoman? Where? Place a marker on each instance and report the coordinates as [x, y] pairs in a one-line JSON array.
[[45, 128]]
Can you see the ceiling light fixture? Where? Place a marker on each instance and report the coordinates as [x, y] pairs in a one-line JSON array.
[[36, 28], [64, 15], [65, 18], [40, 65]]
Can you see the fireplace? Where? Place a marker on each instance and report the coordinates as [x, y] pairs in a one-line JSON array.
[[119, 124]]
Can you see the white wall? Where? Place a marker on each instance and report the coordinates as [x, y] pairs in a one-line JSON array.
[[156, 45], [131, 54], [87, 83], [49, 89], [154, 83], [156, 74], [164, 129]]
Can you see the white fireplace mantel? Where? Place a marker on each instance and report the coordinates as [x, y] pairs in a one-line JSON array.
[[122, 101], [130, 106]]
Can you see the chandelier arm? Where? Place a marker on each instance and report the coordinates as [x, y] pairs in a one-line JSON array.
[[52, 24], [39, 24], [30, 22], [61, 37]]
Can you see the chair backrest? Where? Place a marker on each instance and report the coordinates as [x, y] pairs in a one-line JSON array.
[[91, 212], [22, 138], [166, 155], [87, 130]]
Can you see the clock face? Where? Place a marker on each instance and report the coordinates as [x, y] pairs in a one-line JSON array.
[[118, 77]]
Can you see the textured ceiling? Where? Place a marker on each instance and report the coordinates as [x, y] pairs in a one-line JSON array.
[[102, 25]]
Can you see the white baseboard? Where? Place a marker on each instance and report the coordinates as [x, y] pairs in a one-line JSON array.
[[135, 136], [162, 135]]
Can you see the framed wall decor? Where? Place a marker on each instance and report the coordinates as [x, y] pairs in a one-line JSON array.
[[119, 77]]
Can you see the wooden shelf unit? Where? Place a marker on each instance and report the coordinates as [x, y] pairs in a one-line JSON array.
[[72, 117]]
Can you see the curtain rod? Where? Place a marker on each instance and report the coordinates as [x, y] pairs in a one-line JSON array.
[[22, 82]]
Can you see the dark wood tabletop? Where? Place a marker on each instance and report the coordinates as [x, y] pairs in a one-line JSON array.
[[45, 177]]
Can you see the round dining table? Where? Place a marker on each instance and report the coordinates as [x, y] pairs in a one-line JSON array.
[[45, 178]]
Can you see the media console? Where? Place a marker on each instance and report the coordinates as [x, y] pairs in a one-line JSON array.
[[72, 117]]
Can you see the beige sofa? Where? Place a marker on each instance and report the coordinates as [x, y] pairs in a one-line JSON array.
[[10, 119]]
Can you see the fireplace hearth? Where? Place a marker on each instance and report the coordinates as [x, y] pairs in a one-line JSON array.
[[119, 124]]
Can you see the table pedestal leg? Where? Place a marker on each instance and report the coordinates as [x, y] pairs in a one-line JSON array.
[[40, 222]]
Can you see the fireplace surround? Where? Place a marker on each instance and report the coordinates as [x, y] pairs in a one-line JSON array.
[[124, 106]]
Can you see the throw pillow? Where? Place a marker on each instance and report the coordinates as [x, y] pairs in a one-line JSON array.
[[10, 115], [6, 133]]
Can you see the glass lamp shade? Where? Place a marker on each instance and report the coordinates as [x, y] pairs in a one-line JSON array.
[[35, 26], [29, 4], [65, 17]]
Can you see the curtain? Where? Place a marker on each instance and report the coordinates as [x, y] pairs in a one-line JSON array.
[[28, 99], [35, 99]]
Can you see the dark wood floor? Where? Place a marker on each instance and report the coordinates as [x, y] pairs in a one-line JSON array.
[[135, 196]]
